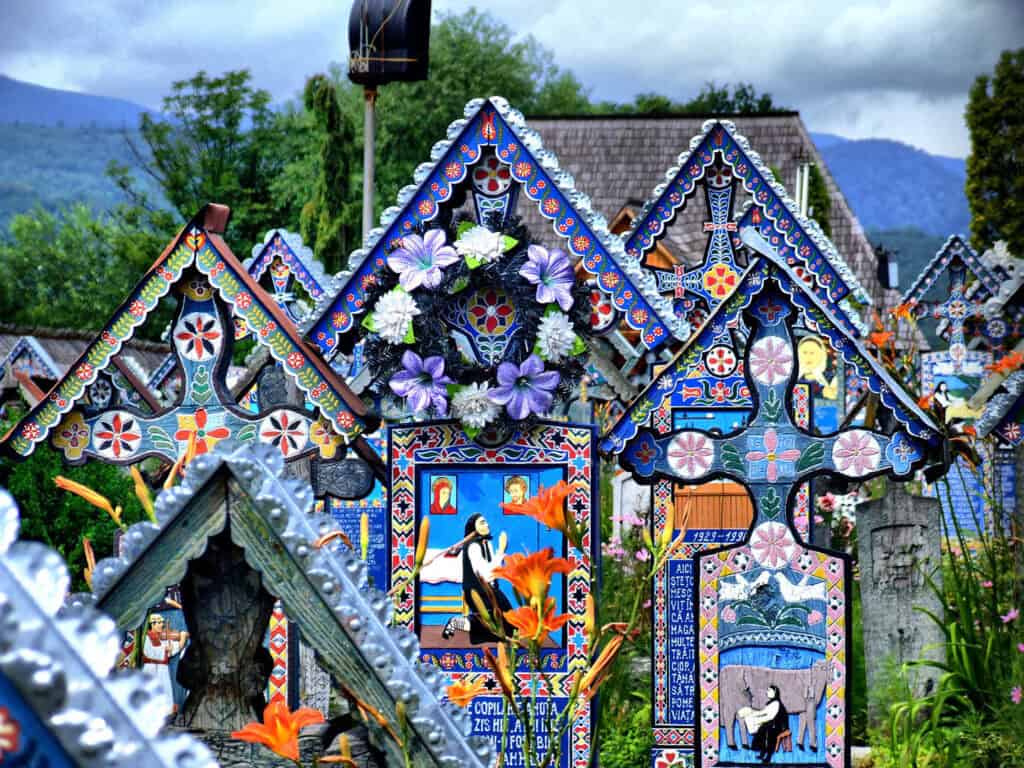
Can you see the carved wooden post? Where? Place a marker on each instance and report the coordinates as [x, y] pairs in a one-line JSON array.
[[225, 667], [899, 540]]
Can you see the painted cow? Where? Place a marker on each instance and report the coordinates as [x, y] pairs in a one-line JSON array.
[[800, 691]]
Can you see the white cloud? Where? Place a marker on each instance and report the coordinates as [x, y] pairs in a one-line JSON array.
[[863, 68]]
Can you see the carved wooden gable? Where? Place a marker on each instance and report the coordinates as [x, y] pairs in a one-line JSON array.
[[489, 160], [238, 502], [212, 287], [59, 705]]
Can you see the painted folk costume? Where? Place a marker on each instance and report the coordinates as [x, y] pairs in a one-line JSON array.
[[479, 559], [158, 648], [770, 725]]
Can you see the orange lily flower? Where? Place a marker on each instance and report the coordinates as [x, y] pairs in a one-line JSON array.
[[601, 667], [532, 625], [925, 402], [880, 338], [530, 575], [903, 311], [461, 692], [1007, 364], [548, 508], [280, 728], [90, 560], [91, 496]]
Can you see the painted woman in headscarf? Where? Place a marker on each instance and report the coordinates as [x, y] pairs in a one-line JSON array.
[[767, 724], [441, 502], [479, 559]]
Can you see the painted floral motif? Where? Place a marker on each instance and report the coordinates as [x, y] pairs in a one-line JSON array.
[[720, 280], [772, 545], [771, 361], [670, 758], [491, 312], [602, 313], [690, 455], [198, 336], [10, 733], [901, 453], [117, 435], [285, 431], [856, 453], [643, 453], [491, 177], [202, 429], [72, 436], [322, 436], [771, 456], [720, 360]]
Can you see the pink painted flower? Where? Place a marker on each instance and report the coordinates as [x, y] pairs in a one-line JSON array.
[[690, 455], [1010, 615], [1016, 695], [856, 453], [771, 544], [775, 460], [728, 615], [771, 361], [814, 617]]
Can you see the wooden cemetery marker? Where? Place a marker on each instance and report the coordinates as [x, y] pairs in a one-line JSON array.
[[236, 535], [60, 706], [770, 632]]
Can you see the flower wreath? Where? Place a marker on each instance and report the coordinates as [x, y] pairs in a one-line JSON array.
[[411, 352]]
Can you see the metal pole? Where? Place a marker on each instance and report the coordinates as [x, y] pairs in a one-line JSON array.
[[369, 148]]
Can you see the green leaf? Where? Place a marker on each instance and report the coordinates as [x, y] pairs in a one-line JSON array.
[[246, 433], [770, 503], [460, 283], [463, 228], [812, 456], [159, 437], [473, 261], [368, 323], [752, 620], [472, 432], [789, 621], [579, 346], [731, 458], [508, 243], [772, 407], [410, 336]]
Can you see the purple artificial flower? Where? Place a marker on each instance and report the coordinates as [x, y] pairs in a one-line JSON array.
[[525, 389], [422, 383], [420, 260], [552, 273]]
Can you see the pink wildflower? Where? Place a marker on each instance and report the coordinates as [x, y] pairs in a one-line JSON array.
[[1010, 615], [643, 555], [1020, 647], [987, 584], [1016, 694], [818, 519]]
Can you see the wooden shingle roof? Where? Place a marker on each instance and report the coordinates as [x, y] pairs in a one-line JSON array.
[[619, 158]]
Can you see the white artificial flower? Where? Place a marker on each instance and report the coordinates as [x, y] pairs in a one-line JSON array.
[[393, 315], [555, 337], [472, 407], [482, 243]]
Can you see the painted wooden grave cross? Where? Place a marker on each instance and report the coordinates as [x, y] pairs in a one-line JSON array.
[[771, 611], [212, 287]]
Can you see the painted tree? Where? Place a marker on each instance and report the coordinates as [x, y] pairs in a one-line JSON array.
[[995, 167]]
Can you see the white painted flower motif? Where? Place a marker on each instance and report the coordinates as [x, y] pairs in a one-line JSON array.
[[472, 407], [555, 337], [805, 562], [393, 314], [707, 603], [480, 243], [690, 455], [856, 453], [708, 714], [771, 361], [709, 675]]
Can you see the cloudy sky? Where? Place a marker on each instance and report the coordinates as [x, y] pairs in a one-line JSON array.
[[859, 68]]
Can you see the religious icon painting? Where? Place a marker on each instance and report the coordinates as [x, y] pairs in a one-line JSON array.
[[470, 492]]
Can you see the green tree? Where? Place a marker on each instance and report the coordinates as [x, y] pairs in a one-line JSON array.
[[330, 220], [60, 519], [471, 55], [220, 142], [995, 166], [74, 268]]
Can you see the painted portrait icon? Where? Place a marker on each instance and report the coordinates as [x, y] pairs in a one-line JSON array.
[[469, 541], [443, 495]]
